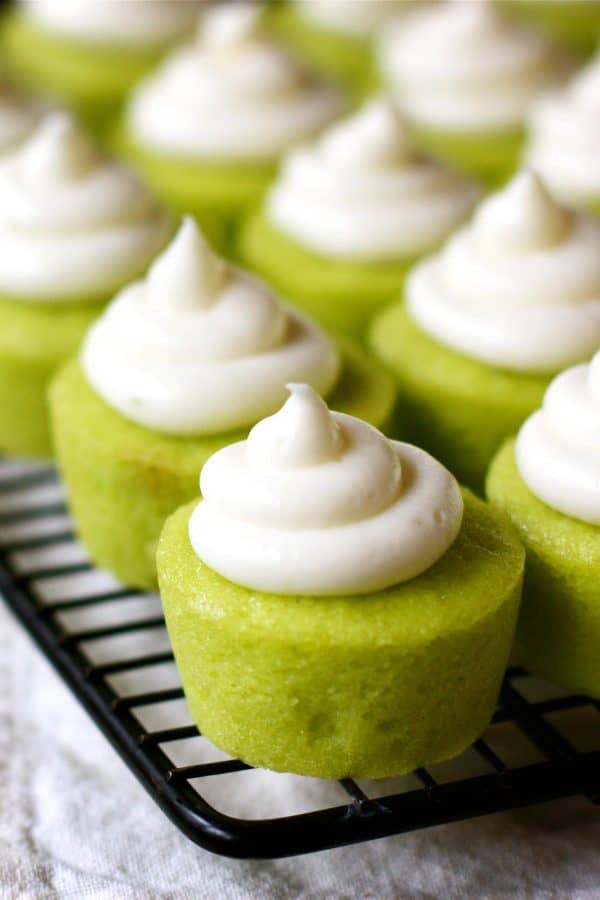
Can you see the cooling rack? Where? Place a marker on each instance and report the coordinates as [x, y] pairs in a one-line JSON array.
[[110, 646]]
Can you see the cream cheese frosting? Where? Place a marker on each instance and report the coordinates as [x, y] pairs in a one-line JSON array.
[[74, 225], [361, 191], [558, 447], [460, 66], [320, 503], [519, 287], [18, 117], [564, 143], [233, 94], [200, 347], [354, 18], [137, 23]]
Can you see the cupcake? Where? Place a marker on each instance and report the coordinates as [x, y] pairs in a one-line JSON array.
[[180, 365], [573, 22], [74, 227], [466, 78], [349, 214], [207, 127], [88, 53], [337, 607], [548, 482], [336, 36], [564, 140], [511, 299]]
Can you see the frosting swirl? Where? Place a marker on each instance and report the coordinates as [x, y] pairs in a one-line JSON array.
[[519, 287], [74, 225], [233, 94], [201, 348], [558, 447], [461, 66], [362, 191], [320, 503], [355, 18], [118, 22], [18, 117], [564, 143]]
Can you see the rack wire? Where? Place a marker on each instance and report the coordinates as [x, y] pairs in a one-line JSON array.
[[110, 646]]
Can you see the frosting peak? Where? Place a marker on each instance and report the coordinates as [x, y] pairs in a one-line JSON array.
[[317, 502], [58, 151], [230, 25], [376, 134], [302, 433], [188, 274], [523, 217]]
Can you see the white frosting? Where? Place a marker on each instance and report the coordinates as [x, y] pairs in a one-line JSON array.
[[18, 118], [564, 145], [519, 287], [354, 18], [233, 94], [558, 447], [322, 503], [461, 66], [201, 348], [137, 23], [74, 225], [362, 192]]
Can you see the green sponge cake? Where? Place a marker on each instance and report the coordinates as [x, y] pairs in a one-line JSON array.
[[377, 643], [74, 226], [89, 55], [465, 77], [349, 214], [510, 300], [130, 454], [207, 127], [548, 488]]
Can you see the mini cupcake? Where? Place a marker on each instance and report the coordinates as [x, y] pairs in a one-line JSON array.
[[348, 216], [549, 484], [87, 54], [181, 364], [208, 126], [335, 36], [466, 79], [564, 140], [336, 606], [74, 227], [572, 22], [512, 299]]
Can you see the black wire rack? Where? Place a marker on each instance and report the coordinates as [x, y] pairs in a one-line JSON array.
[[541, 745]]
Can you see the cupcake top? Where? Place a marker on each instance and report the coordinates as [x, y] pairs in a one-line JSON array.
[[233, 94], [354, 18], [18, 117], [200, 347], [320, 503], [558, 447], [114, 22], [460, 66], [361, 191], [74, 225], [564, 143], [517, 288]]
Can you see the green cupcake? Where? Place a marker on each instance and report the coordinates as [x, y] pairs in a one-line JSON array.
[[74, 227], [89, 55], [466, 78], [179, 366], [336, 606], [347, 217], [548, 483], [207, 128], [510, 300]]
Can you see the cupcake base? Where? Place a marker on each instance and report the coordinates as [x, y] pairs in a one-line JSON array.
[[343, 296], [35, 339], [457, 408], [91, 80], [363, 686], [215, 193], [559, 627], [123, 480]]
